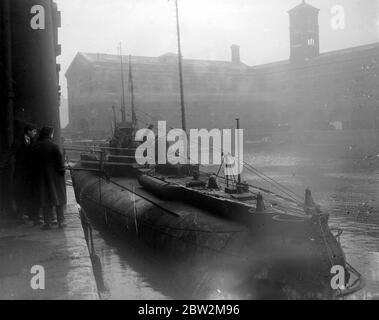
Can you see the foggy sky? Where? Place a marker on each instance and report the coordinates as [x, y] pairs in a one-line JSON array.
[[209, 28]]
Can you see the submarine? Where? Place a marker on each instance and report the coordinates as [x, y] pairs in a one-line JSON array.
[[203, 219]]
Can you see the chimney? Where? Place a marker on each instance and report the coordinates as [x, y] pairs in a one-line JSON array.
[[235, 53]]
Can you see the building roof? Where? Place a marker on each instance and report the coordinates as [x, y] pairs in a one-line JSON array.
[[335, 56], [105, 60], [303, 6]]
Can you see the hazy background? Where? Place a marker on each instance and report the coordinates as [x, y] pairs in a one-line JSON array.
[[209, 27]]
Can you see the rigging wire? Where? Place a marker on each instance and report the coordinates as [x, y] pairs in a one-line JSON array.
[[275, 183], [287, 191]]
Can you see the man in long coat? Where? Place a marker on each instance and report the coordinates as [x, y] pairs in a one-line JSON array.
[[21, 150], [49, 177]]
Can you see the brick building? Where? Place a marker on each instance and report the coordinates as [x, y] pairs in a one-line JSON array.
[[94, 86]]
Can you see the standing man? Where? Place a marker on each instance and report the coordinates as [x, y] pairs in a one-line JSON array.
[[49, 177], [23, 174]]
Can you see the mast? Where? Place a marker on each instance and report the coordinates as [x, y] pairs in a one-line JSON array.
[[131, 87], [238, 152], [114, 118], [184, 125], [123, 109]]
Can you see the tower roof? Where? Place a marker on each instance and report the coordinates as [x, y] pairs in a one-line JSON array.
[[303, 6]]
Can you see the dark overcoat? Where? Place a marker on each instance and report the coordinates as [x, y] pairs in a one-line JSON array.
[[23, 181], [49, 174], [22, 187]]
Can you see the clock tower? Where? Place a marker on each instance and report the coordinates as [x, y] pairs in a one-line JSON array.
[[304, 32]]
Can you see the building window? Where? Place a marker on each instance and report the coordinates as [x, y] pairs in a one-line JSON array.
[[311, 42]]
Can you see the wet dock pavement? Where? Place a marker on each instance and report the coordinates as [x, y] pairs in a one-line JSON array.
[[63, 254]]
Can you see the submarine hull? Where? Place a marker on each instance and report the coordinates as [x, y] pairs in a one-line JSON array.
[[298, 262]]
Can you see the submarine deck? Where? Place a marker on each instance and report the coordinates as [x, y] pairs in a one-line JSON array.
[[274, 203]]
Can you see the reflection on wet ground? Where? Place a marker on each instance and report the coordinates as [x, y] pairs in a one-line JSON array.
[[347, 189], [124, 270]]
